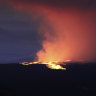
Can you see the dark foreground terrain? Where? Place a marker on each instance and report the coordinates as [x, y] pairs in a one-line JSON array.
[[37, 80]]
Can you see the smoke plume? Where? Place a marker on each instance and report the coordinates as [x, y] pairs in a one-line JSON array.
[[68, 29]]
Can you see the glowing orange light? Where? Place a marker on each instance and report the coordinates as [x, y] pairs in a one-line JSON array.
[[51, 65]]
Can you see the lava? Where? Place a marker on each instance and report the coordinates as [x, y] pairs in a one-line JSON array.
[[51, 65]]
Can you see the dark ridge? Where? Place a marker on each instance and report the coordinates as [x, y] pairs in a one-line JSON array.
[[18, 80]]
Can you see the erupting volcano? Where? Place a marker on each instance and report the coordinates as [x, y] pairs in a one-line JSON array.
[[67, 32]]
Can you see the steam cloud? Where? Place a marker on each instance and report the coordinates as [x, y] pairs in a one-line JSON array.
[[68, 29]]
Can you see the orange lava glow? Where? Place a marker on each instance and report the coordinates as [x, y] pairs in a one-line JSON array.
[[51, 65]]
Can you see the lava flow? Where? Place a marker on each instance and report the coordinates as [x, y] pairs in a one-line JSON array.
[[51, 65]]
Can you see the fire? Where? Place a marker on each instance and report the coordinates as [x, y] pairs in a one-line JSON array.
[[54, 66], [51, 65]]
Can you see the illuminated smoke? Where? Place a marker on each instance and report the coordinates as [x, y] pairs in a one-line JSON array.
[[68, 33], [71, 37]]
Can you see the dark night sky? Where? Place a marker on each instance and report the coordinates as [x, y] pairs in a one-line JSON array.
[[19, 36]]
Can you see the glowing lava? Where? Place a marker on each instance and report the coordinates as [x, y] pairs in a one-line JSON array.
[[54, 66], [51, 65]]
